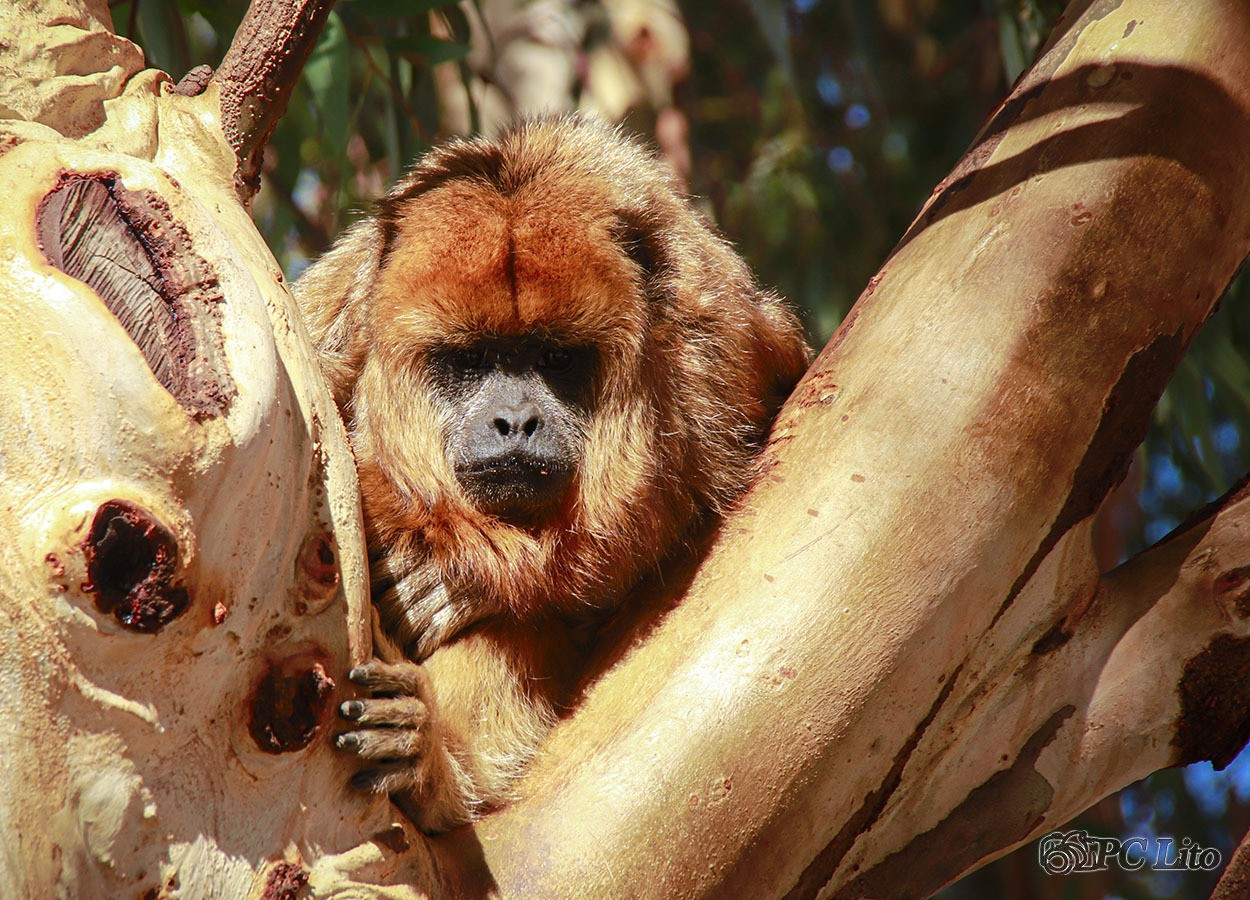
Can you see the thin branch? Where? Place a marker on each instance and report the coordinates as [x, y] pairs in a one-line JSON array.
[[258, 75], [313, 234], [366, 52]]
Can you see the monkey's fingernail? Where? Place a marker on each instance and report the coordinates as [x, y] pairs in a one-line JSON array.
[[347, 741], [358, 674], [363, 780], [352, 709]]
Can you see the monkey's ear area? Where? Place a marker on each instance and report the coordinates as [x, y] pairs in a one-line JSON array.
[[333, 295], [638, 239], [758, 358]]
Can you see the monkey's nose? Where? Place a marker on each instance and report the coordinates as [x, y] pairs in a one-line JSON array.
[[517, 423]]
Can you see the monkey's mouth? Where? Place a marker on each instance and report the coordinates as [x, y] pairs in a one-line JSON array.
[[516, 487]]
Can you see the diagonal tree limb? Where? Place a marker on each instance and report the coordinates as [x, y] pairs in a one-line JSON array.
[[1143, 668], [983, 397], [258, 75]]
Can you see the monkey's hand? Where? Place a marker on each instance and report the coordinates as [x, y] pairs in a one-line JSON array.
[[399, 735]]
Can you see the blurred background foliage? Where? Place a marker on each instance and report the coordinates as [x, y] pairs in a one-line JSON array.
[[811, 130]]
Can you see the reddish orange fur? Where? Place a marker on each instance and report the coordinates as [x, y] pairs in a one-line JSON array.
[[562, 226]]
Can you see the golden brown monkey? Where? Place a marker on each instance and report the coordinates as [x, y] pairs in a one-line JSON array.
[[554, 372]]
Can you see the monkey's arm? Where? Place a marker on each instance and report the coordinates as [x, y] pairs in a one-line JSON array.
[[418, 611]]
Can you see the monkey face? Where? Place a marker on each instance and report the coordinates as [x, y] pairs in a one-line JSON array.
[[518, 408], [551, 366]]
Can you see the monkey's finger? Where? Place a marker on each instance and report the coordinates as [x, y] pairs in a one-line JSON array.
[[397, 712], [389, 777], [390, 744], [391, 678]]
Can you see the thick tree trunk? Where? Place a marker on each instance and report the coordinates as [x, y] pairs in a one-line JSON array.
[[182, 582], [898, 662]]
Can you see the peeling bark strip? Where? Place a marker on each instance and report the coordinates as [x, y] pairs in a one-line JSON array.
[[1214, 720], [821, 869], [1121, 428], [288, 705], [1001, 812], [127, 248], [131, 561]]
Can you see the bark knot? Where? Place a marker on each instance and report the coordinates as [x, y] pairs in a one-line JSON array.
[[289, 704], [131, 562]]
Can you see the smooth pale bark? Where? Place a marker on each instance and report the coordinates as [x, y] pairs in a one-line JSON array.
[[898, 661]]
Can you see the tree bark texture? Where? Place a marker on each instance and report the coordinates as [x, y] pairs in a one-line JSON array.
[[259, 73], [898, 662], [182, 579]]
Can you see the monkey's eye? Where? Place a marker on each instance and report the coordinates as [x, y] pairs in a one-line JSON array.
[[555, 359], [468, 359]]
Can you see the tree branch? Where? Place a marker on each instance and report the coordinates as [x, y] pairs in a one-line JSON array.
[[982, 398], [1144, 668], [258, 75]]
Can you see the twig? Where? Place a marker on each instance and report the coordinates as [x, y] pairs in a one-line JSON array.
[[258, 75]]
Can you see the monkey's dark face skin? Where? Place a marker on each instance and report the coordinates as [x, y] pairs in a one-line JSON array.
[[518, 410]]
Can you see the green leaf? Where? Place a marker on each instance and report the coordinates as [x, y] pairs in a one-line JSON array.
[[458, 22], [327, 76], [1229, 368], [1192, 420], [431, 49], [163, 37], [1011, 42]]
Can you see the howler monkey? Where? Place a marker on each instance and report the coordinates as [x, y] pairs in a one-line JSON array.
[[553, 372]]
